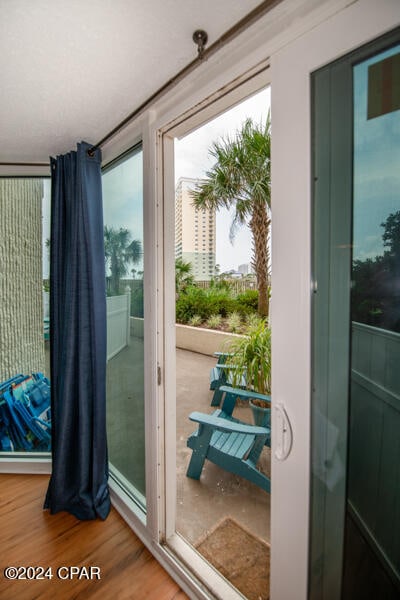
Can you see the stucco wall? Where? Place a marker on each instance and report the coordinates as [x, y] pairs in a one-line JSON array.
[[195, 339], [204, 341], [21, 300]]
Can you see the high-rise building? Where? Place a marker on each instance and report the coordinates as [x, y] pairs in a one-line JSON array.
[[246, 269], [194, 231]]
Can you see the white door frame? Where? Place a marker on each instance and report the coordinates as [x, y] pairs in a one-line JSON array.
[[251, 82]]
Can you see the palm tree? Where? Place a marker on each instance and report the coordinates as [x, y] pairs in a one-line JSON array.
[[241, 177], [120, 251], [183, 275]]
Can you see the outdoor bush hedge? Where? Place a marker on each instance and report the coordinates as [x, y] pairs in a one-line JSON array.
[[220, 301], [213, 301], [192, 301], [137, 301], [247, 302], [203, 302]]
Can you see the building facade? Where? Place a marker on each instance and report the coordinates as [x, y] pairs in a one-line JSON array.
[[195, 231], [246, 269]]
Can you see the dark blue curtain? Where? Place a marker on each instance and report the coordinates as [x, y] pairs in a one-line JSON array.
[[79, 477]]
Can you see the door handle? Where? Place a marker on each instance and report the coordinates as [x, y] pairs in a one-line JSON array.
[[284, 433]]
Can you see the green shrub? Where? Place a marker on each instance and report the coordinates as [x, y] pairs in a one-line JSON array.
[[220, 301], [247, 302], [192, 301], [221, 284], [195, 321], [214, 321], [137, 301], [234, 322], [216, 300]]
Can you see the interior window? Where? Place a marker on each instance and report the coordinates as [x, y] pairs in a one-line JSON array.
[[25, 420]]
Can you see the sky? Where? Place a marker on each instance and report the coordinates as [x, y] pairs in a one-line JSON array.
[[123, 198], [192, 160], [376, 166]]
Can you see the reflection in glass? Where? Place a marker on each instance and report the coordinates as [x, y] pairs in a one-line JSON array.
[[24, 321], [355, 496], [376, 250], [372, 551], [123, 243]]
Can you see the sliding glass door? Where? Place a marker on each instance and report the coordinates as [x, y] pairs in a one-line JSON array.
[[355, 544], [123, 241]]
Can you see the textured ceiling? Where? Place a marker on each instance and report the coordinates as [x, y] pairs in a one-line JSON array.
[[73, 69]]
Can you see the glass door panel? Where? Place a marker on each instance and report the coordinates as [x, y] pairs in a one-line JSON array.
[[372, 541], [123, 240], [355, 517], [222, 503]]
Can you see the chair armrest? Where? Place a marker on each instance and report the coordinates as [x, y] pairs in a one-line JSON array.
[[225, 366], [245, 394], [224, 425]]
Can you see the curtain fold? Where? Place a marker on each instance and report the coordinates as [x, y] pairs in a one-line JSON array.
[[79, 480]]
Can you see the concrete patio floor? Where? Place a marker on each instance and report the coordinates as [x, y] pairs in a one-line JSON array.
[[218, 494]]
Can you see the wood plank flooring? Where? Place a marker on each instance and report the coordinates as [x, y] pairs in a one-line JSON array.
[[30, 536]]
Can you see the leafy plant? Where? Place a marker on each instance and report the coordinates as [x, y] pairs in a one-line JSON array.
[[183, 275], [234, 322], [195, 321], [220, 301], [252, 357], [214, 321], [253, 320], [192, 301], [247, 302], [221, 284], [137, 301]]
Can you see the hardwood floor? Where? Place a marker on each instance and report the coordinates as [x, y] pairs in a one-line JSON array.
[[30, 536]]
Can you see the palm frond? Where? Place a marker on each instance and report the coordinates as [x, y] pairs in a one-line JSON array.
[[240, 178]]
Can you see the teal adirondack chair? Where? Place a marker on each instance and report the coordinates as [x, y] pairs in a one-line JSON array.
[[229, 443], [220, 375]]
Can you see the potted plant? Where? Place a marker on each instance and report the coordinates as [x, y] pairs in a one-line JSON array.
[[251, 356]]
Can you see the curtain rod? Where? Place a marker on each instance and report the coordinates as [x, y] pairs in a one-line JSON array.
[[24, 164], [224, 39], [229, 35]]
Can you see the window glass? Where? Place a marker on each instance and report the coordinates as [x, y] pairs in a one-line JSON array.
[[24, 316], [123, 240]]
